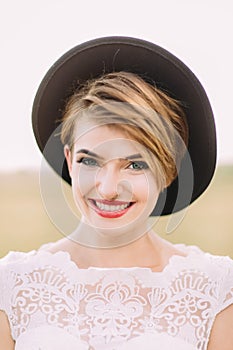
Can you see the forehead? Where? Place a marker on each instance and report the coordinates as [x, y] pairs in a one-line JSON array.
[[106, 141]]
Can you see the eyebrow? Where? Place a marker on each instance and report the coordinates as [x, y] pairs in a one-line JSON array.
[[92, 154], [89, 153], [134, 156]]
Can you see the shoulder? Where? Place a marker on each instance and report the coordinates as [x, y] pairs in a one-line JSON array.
[[6, 340], [220, 273], [11, 266], [219, 270], [11, 259], [211, 277], [220, 263], [220, 267], [7, 269], [14, 258], [213, 272], [221, 335], [27, 266]]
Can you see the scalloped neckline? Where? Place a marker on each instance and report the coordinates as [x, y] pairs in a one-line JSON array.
[[191, 252]]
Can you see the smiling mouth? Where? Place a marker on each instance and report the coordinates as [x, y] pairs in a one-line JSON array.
[[108, 209]]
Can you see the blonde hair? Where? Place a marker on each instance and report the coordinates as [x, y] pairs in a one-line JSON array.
[[142, 111]]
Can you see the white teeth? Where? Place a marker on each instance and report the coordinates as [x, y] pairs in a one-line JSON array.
[[106, 207]]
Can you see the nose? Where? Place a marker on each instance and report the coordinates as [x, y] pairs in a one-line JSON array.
[[107, 182]]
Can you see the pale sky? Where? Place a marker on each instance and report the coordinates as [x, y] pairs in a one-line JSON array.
[[36, 33]]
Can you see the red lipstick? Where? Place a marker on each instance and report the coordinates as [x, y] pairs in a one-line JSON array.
[[100, 208]]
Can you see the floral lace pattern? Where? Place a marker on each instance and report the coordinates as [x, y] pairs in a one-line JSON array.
[[108, 308]]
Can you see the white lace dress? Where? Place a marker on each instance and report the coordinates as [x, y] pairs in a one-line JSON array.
[[52, 304]]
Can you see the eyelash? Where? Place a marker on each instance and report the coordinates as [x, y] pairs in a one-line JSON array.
[[86, 160], [142, 165], [89, 162]]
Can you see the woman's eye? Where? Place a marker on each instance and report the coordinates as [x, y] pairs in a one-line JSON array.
[[88, 161], [138, 165]]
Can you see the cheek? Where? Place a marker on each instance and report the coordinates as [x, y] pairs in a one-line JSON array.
[[83, 181], [142, 190], [140, 186], [148, 189]]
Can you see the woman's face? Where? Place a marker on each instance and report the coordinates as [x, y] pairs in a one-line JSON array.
[[112, 184]]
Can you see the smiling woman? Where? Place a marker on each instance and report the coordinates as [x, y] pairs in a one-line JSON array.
[[108, 116], [111, 186], [131, 129]]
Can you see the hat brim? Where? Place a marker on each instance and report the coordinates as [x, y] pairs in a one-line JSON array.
[[153, 63]]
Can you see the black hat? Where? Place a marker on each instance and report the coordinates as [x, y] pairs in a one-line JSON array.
[[153, 63]]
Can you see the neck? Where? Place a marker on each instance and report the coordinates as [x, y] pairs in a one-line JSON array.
[[108, 238], [146, 251]]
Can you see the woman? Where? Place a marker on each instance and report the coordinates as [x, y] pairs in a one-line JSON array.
[[137, 133]]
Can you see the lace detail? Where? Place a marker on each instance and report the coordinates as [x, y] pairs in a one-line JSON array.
[[113, 308]]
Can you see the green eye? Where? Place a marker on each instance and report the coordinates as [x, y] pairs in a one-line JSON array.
[[138, 165], [88, 161]]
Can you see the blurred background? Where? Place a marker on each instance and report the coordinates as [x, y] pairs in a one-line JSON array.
[[35, 34]]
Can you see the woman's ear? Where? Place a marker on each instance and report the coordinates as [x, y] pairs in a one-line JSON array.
[[68, 156]]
